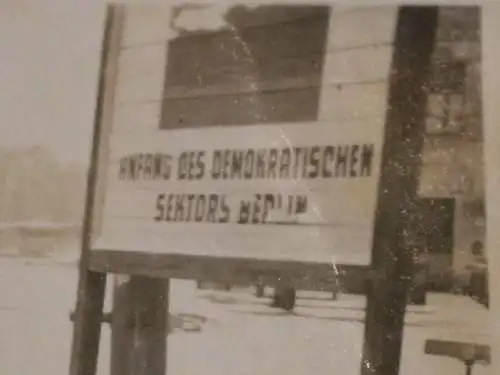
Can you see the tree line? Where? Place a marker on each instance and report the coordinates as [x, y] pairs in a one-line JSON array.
[[35, 186]]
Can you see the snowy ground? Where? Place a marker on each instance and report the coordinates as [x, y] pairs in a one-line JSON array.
[[241, 335]]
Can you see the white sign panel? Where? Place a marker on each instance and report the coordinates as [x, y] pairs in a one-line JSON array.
[[256, 132]]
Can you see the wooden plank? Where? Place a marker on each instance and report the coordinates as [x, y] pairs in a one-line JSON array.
[[141, 60], [91, 284], [147, 87], [106, 122], [378, 23], [233, 270], [350, 65], [122, 327], [346, 278], [139, 205], [304, 35], [392, 254], [348, 244], [366, 130], [285, 73], [150, 300], [152, 24], [350, 101], [146, 25], [140, 326], [136, 118]]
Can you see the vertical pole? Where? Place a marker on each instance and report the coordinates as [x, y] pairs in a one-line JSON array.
[[392, 258], [139, 326], [150, 300], [285, 296], [259, 290], [91, 285], [122, 327], [468, 367]]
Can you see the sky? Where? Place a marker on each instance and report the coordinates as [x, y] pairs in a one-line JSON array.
[[49, 59]]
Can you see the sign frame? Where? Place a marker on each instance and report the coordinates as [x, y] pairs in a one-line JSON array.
[[300, 274], [391, 258]]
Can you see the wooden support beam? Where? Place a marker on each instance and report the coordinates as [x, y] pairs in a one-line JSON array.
[[139, 326], [122, 327], [92, 283], [231, 270], [285, 297], [351, 279], [149, 299], [87, 323], [392, 254]]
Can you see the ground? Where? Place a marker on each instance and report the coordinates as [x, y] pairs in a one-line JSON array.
[[218, 332]]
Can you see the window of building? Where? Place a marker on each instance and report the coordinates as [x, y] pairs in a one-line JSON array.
[[435, 225], [446, 101]]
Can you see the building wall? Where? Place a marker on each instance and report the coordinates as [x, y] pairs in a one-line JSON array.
[[453, 155]]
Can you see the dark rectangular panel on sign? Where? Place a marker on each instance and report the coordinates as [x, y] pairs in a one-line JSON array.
[[240, 75]]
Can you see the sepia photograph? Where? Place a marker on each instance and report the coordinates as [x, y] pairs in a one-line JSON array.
[[204, 188]]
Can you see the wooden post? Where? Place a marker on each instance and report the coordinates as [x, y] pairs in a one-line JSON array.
[[468, 367], [87, 325], [122, 327], [150, 300], [259, 290], [91, 285], [392, 258], [139, 326], [285, 297]]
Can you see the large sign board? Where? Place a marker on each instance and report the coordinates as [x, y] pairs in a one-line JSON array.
[[257, 134], [251, 132]]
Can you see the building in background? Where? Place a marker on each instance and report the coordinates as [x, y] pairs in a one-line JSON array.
[[452, 179]]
